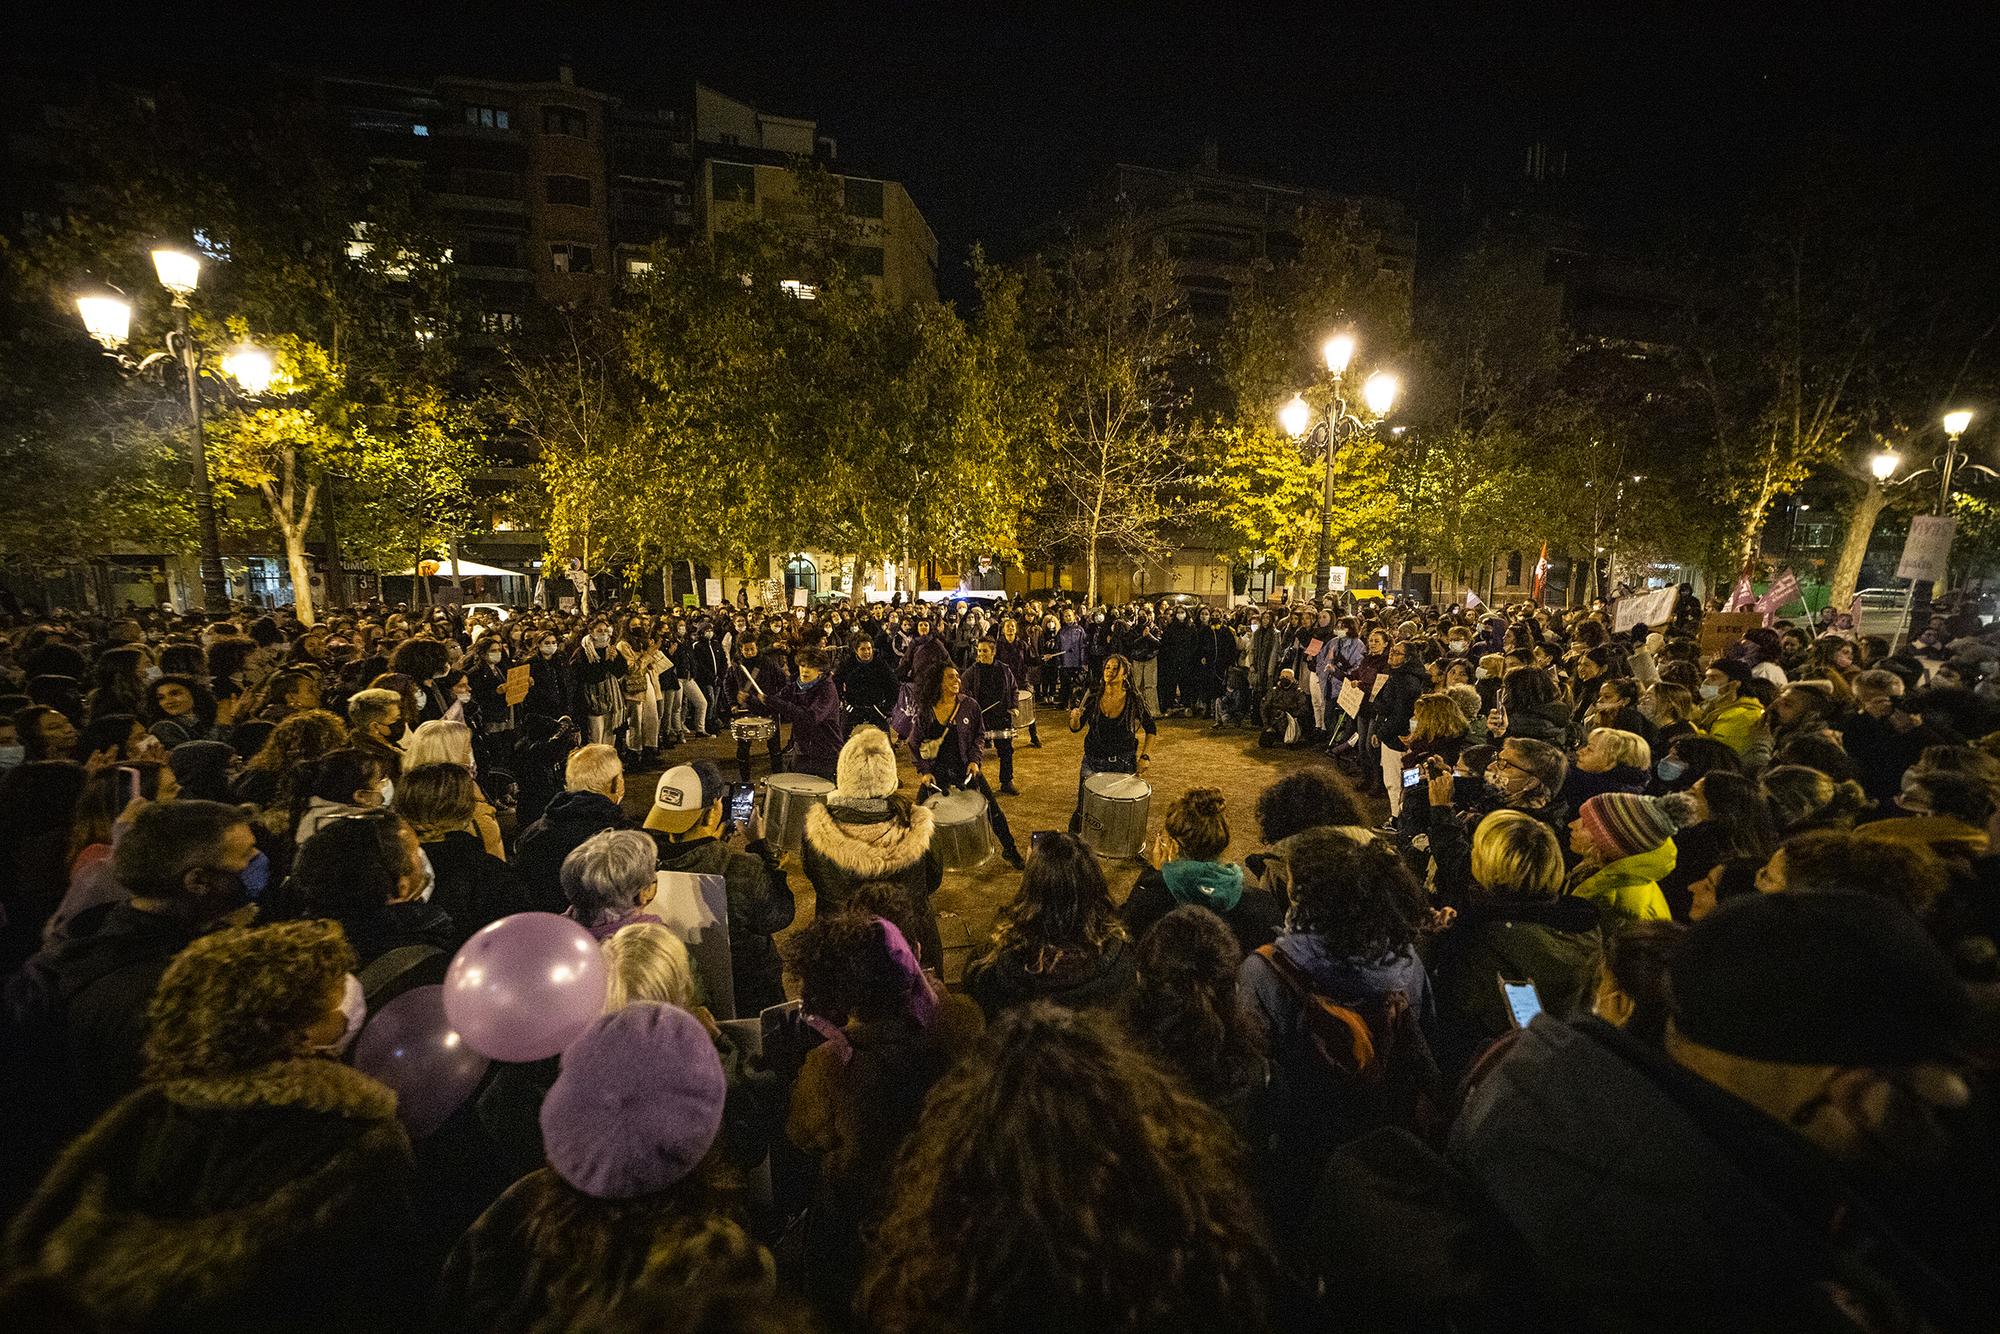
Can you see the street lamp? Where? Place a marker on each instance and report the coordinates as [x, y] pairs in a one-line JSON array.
[[107, 318], [251, 367], [1884, 464], [1955, 423], [1947, 466], [1334, 430]]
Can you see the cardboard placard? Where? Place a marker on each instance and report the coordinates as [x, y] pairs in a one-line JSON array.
[[1654, 608], [1350, 699], [1720, 629], [711, 592], [1312, 649], [1927, 550], [800, 597], [519, 681]]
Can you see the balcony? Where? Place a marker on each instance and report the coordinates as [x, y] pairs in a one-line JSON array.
[[462, 203]]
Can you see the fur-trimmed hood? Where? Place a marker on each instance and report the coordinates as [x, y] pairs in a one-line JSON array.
[[189, 1204], [869, 848]]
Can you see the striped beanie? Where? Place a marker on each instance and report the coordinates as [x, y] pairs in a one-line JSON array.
[[1622, 825]]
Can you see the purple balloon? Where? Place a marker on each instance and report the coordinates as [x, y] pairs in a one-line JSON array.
[[525, 986], [409, 1045]]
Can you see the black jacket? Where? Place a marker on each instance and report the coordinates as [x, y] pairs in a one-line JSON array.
[[473, 886], [1553, 943], [571, 817], [760, 905], [1254, 921], [1396, 702], [1099, 982]]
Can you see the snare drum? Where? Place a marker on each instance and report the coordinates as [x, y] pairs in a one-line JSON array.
[[753, 730], [963, 839], [1115, 807], [787, 798], [1024, 710]]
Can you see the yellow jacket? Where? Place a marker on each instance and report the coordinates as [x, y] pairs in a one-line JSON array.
[[1732, 722]]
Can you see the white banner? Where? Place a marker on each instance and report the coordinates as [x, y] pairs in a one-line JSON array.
[[1928, 547], [1654, 608]]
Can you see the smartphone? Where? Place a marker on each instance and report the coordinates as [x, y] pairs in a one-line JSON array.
[[742, 796], [1523, 1001], [128, 783], [1412, 777], [773, 1017]]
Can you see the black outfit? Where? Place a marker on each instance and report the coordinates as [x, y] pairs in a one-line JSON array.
[[569, 819], [759, 682], [1110, 745], [1096, 982], [992, 688], [474, 887], [948, 775], [1254, 921], [868, 689]]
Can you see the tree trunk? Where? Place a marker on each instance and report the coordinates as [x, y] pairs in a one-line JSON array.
[[1854, 547]]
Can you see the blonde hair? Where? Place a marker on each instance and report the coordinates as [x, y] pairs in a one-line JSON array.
[[374, 705], [440, 741], [647, 962], [1515, 853], [593, 768], [1675, 702], [1625, 748], [1436, 717]]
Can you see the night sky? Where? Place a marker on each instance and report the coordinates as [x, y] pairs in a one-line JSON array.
[[997, 117]]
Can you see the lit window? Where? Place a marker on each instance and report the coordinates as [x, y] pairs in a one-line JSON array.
[[633, 264], [794, 288], [487, 118], [568, 258], [421, 131]]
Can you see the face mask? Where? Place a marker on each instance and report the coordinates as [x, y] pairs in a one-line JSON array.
[[354, 1009], [430, 877], [388, 790], [1913, 797], [153, 673], [12, 756], [548, 650], [1670, 769], [255, 876], [461, 695], [421, 697], [492, 658], [601, 638], [1480, 673], [1709, 692], [1457, 646]]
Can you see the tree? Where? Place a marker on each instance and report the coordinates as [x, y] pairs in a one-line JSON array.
[[1110, 329]]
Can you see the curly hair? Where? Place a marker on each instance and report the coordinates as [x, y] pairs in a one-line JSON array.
[[1063, 907], [1197, 823], [204, 699], [1358, 896], [1310, 798], [845, 970], [1064, 1181], [1184, 1010], [242, 998]]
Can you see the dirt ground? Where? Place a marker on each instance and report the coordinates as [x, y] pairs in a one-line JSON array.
[[1186, 754]]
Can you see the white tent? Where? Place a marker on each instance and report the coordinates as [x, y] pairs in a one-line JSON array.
[[469, 569]]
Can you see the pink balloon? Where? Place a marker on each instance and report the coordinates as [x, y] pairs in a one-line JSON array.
[[409, 1045], [525, 986]]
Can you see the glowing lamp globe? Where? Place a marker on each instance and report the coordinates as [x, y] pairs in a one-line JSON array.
[[1380, 393], [250, 366], [179, 270], [1884, 464], [1956, 422], [1338, 351], [1295, 417], [107, 316]]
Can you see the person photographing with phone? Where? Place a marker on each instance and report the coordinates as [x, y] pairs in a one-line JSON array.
[[1522, 775]]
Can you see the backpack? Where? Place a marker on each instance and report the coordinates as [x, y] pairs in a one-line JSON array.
[[1369, 1061]]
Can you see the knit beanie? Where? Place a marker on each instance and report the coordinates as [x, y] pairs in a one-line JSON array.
[[1622, 825], [637, 1105], [1816, 979], [867, 766]]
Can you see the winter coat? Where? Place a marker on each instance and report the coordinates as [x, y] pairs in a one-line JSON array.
[[473, 886], [868, 689], [1395, 702], [846, 847], [1252, 915], [1074, 641], [1733, 722], [571, 818], [1548, 722], [1098, 981], [760, 905], [514, 1272], [551, 687], [818, 724], [279, 1198], [1553, 943], [1627, 890], [1581, 785], [1649, 1199], [922, 658], [1340, 980]]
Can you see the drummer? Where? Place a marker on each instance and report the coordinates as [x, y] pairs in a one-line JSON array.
[[992, 684], [948, 740], [812, 707], [1118, 731], [754, 680]]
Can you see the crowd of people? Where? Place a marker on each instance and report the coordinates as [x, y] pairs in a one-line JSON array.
[[1581, 978]]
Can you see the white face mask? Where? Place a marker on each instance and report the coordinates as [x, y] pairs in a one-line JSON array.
[[388, 790], [1480, 673], [462, 694], [153, 673], [1710, 692], [548, 650], [492, 658], [430, 877], [354, 1009], [602, 637], [422, 696], [1457, 646]]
